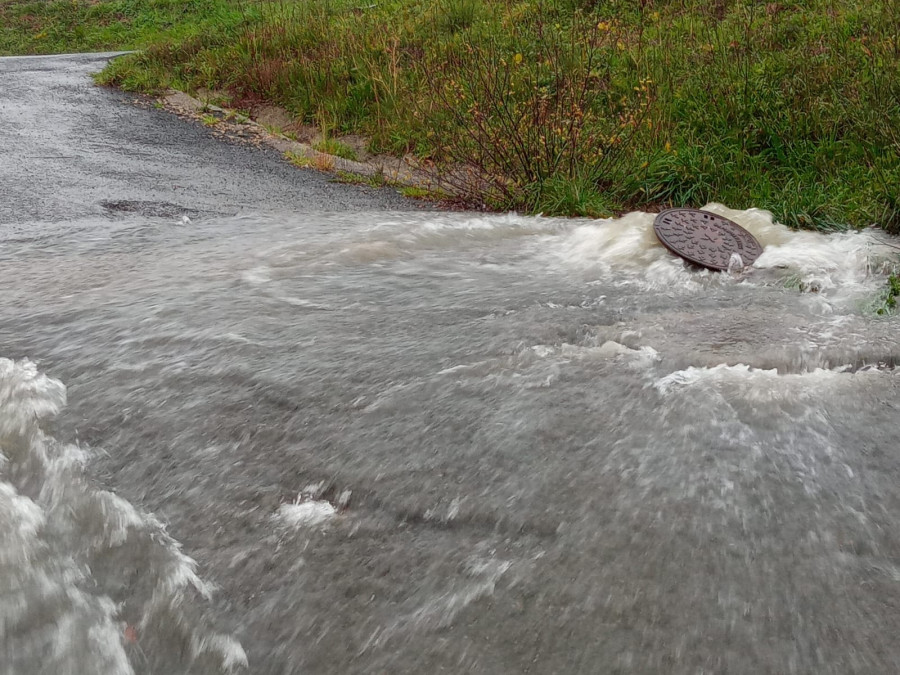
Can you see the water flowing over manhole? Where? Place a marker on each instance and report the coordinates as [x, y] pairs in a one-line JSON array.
[[705, 238], [148, 209]]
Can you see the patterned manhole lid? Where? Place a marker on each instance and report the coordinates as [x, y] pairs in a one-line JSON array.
[[704, 238]]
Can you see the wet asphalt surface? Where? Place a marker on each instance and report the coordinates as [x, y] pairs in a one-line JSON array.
[[68, 147]]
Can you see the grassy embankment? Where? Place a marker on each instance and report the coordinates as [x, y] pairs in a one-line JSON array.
[[54, 26], [561, 106]]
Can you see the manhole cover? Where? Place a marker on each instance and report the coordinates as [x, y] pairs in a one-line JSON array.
[[148, 209], [704, 238]]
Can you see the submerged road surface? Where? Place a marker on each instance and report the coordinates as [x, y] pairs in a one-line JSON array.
[[255, 422]]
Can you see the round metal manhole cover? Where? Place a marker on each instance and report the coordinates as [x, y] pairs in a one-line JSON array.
[[705, 238]]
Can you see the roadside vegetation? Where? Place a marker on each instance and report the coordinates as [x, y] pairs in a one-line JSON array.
[[573, 107], [887, 302], [65, 26]]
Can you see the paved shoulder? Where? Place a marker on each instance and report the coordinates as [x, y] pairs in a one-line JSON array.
[[71, 149]]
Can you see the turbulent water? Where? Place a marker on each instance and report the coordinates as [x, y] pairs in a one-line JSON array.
[[429, 442]]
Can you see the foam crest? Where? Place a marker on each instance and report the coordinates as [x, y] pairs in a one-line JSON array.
[[627, 248], [486, 227], [305, 513], [767, 384], [26, 396], [82, 569]]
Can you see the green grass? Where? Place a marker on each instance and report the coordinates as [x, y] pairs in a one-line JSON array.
[[580, 107], [50, 27], [299, 161], [331, 146], [888, 301], [376, 180]]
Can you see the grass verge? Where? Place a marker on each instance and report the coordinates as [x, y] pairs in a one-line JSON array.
[[62, 26], [575, 107]]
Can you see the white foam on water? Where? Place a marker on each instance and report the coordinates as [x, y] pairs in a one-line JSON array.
[[627, 244], [824, 262], [78, 564], [391, 238], [636, 358], [534, 367], [305, 513], [756, 383], [520, 362], [627, 249], [441, 228]]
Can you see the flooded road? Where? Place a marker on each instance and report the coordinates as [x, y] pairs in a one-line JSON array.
[[250, 436]]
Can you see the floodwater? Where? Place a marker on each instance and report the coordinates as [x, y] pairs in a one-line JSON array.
[[430, 442]]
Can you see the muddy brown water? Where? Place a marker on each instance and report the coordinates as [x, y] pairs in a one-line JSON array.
[[309, 440], [394, 442]]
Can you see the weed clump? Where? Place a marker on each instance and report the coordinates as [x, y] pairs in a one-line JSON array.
[[889, 298], [331, 146]]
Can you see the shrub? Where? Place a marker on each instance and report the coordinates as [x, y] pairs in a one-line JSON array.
[[534, 113]]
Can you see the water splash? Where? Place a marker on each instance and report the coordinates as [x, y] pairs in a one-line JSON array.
[[627, 247], [88, 583]]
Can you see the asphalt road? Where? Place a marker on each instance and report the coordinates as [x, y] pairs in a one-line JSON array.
[[68, 146]]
